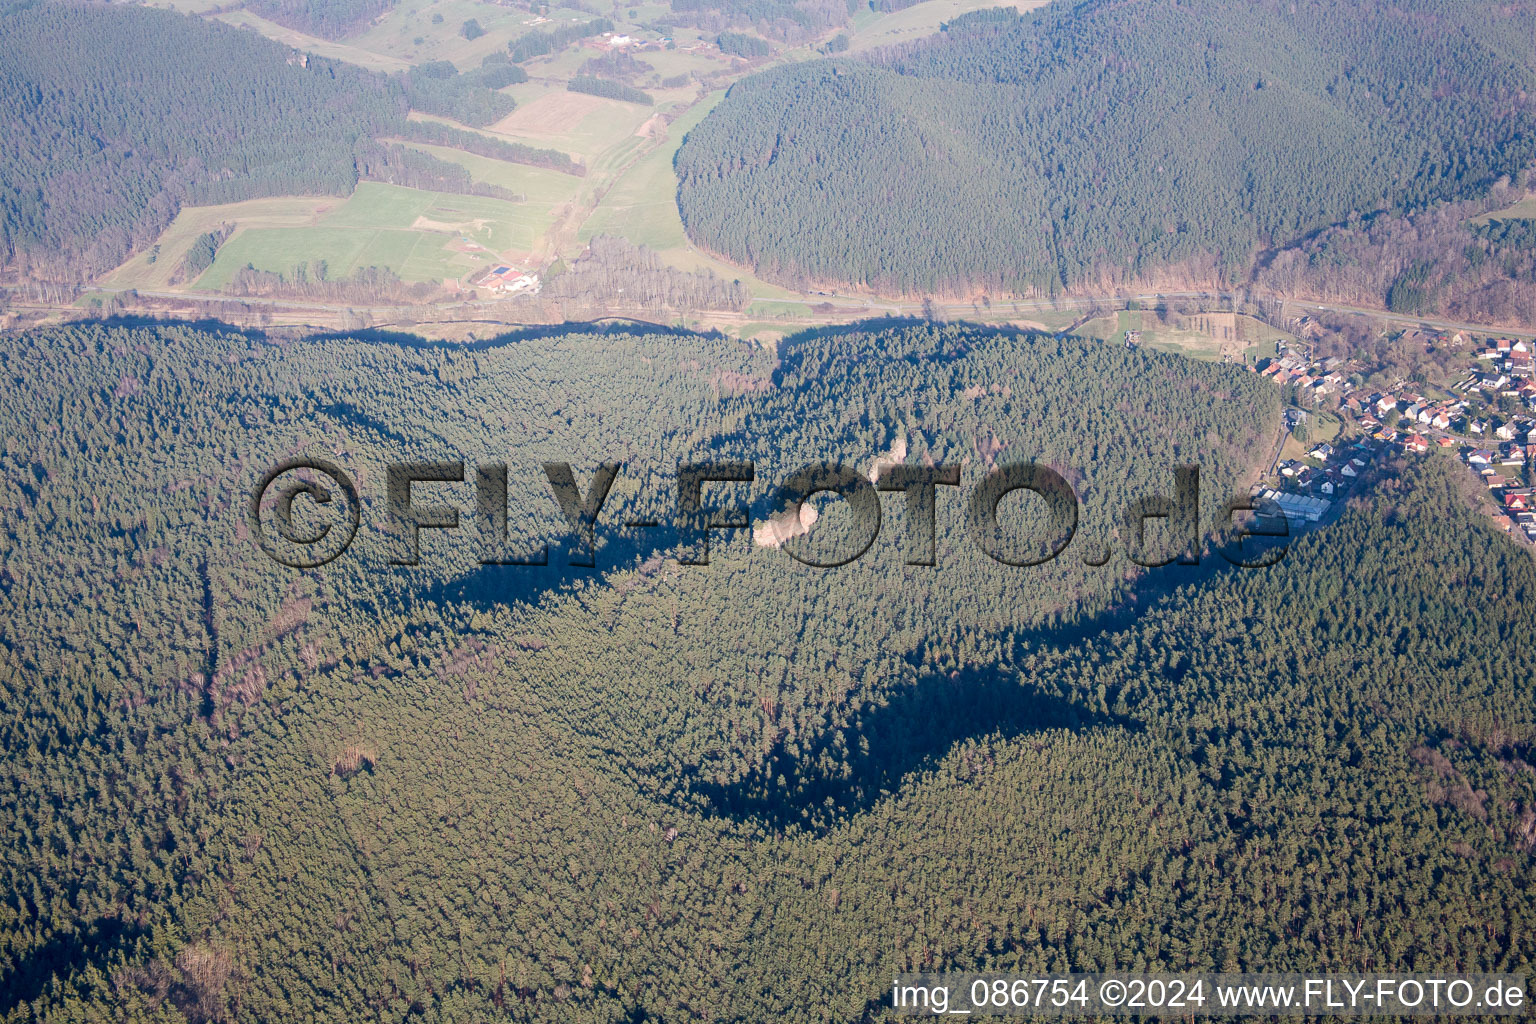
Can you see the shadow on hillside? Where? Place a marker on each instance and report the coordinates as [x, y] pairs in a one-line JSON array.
[[829, 777], [532, 332], [207, 324], [64, 955], [836, 775], [492, 585]]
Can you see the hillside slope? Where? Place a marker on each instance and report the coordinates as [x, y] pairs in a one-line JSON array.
[[239, 792], [1087, 144]]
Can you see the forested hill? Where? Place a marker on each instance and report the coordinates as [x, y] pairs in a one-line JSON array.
[[156, 668], [1086, 144], [115, 116], [235, 792]]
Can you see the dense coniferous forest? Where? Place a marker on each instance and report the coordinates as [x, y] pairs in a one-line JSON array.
[[538, 44], [438, 134], [739, 44], [241, 792], [438, 87], [609, 88], [1089, 145]]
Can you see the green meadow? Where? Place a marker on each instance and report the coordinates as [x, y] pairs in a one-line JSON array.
[[1525, 209], [409, 231]]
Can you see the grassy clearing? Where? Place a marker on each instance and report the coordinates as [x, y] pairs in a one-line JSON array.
[[409, 32], [421, 236], [314, 44], [641, 206], [759, 330], [587, 126], [771, 308], [285, 213], [1102, 328], [924, 19], [671, 63], [1051, 320], [1210, 337], [1191, 344], [1525, 209]]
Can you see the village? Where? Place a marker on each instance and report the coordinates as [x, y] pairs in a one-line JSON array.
[[1485, 417]]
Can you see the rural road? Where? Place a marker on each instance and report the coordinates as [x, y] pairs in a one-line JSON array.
[[869, 305]]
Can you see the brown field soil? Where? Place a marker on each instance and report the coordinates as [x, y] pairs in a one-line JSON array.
[[551, 114], [428, 224]]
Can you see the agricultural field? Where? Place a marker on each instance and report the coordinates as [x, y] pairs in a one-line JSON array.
[[314, 44], [421, 236], [585, 126], [696, 58], [1210, 337], [545, 217], [410, 34], [642, 205], [152, 270]]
